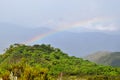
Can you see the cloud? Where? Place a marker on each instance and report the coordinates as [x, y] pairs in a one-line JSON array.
[[95, 24], [102, 27]]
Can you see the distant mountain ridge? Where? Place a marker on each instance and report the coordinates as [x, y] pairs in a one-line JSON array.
[[105, 58], [82, 43], [85, 42], [13, 33]]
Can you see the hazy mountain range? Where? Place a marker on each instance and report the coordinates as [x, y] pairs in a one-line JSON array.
[[105, 58], [77, 44]]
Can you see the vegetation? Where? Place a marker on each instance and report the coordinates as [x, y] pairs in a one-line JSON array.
[[44, 62], [106, 58]]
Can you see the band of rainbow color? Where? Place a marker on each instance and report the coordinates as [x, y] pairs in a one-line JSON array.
[[65, 27]]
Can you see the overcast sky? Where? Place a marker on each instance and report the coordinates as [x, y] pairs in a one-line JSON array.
[[54, 13], [60, 15]]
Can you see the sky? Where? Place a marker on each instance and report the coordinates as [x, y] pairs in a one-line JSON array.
[[54, 13], [74, 16]]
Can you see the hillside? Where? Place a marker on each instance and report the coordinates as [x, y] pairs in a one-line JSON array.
[[44, 62], [105, 58]]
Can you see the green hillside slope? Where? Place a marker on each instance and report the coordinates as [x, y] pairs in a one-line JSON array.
[[44, 62], [106, 58]]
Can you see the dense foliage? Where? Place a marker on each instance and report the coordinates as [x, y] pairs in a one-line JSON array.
[[43, 62]]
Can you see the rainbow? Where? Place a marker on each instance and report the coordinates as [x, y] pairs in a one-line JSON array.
[[63, 28]]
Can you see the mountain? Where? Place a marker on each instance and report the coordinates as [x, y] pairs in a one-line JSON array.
[[105, 58], [44, 62], [82, 43], [13, 33]]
